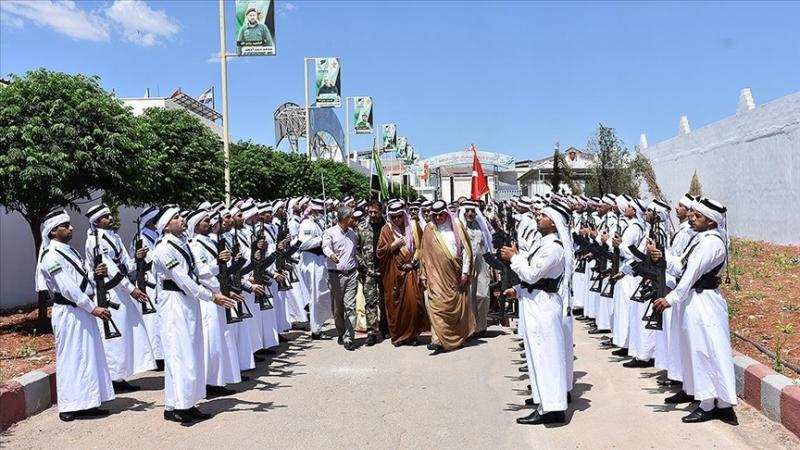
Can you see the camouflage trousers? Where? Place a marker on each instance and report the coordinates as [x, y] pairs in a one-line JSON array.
[[373, 303]]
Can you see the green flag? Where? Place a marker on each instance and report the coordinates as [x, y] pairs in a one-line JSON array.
[[378, 182]]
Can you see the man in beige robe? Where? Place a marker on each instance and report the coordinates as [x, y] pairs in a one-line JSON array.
[[446, 257]]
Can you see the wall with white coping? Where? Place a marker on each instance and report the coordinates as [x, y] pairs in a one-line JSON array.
[[750, 162]]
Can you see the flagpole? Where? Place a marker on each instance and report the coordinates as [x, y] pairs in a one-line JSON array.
[[223, 58], [347, 122], [308, 119]]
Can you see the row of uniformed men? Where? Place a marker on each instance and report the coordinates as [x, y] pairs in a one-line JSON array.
[[693, 354], [202, 352]]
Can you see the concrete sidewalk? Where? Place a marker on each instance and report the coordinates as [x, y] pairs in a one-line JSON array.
[[316, 395]]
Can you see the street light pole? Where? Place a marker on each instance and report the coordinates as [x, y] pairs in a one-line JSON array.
[[308, 111], [223, 59]]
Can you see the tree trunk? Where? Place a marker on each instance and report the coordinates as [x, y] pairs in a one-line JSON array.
[[43, 297]]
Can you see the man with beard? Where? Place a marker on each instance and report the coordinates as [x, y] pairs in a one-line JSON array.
[[371, 273], [398, 252], [78, 344], [446, 259], [481, 241]]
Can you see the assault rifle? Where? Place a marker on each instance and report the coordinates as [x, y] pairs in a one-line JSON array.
[[655, 319], [504, 307], [236, 276], [608, 292], [225, 279], [263, 300], [101, 293], [141, 270]]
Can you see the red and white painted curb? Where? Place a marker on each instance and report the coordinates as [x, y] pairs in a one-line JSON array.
[[775, 395], [27, 395]]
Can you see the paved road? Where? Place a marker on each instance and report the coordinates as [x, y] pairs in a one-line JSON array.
[[316, 395]]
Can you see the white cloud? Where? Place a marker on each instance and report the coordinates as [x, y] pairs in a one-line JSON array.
[[141, 24], [285, 8], [62, 16]]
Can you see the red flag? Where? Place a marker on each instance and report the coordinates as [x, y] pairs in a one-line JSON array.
[[425, 172], [479, 185]]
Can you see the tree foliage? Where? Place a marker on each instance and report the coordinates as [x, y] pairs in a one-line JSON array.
[[62, 137], [555, 178], [182, 161], [260, 171], [612, 172]]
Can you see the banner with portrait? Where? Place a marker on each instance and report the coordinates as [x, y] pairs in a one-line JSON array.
[[327, 82], [402, 146], [255, 27], [389, 136], [362, 115]]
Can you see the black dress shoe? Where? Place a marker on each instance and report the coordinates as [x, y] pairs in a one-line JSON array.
[[529, 402], [529, 387], [282, 339], [523, 368], [727, 415], [349, 346], [667, 382], [66, 416], [320, 337], [698, 415], [159, 365], [258, 358], [340, 340], [124, 386], [195, 413], [635, 363], [535, 418], [177, 415], [218, 390], [523, 355], [371, 340], [620, 352], [599, 331], [680, 397], [244, 377]]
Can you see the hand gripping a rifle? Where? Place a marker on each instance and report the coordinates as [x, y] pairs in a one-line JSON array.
[[110, 329]]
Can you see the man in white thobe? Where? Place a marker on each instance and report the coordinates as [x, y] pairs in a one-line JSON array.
[[706, 354], [312, 265], [151, 321], [78, 343], [131, 353], [540, 273], [179, 297]]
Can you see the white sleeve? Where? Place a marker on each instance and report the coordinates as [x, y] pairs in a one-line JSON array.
[[169, 260]]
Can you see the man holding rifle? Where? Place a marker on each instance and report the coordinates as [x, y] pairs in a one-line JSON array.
[[131, 353], [706, 354], [83, 381]]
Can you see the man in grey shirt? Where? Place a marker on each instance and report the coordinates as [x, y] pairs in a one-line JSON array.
[[339, 246]]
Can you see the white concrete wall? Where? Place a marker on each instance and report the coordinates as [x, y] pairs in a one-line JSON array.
[[17, 253], [750, 162]]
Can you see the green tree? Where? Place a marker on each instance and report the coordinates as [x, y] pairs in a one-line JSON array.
[[555, 178], [182, 161], [62, 138], [611, 171]]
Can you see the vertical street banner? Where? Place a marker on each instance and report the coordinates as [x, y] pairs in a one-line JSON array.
[[255, 27], [328, 82], [402, 146], [389, 136], [362, 115]]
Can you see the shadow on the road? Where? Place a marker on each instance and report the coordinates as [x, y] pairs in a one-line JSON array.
[[124, 404], [151, 383]]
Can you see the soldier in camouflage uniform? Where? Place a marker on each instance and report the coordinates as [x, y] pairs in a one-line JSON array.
[[370, 272]]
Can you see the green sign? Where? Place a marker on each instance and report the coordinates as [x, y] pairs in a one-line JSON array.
[[328, 82], [402, 146], [362, 115], [389, 136], [255, 27]]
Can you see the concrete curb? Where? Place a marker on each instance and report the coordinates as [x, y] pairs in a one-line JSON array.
[[27, 395], [775, 395]]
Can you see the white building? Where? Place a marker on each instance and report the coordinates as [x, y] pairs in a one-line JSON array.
[[178, 100], [535, 176]]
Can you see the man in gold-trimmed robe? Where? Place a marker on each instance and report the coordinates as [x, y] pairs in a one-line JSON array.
[[446, 258]]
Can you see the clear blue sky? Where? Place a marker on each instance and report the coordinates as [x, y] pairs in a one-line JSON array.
[[510, 77]]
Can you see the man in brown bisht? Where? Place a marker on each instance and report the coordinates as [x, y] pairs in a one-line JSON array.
[[398, 252], [446, 258]]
